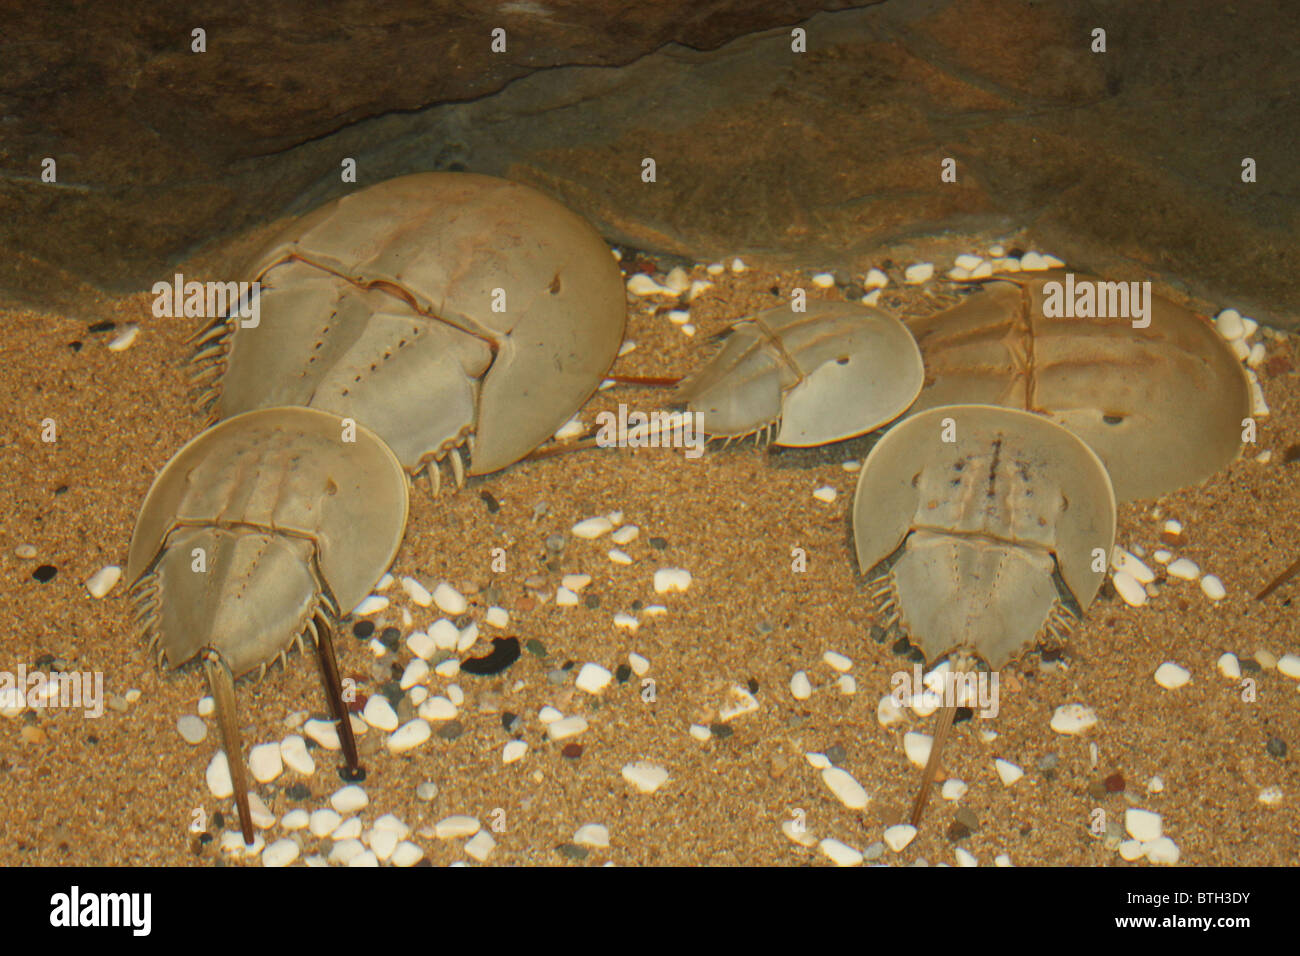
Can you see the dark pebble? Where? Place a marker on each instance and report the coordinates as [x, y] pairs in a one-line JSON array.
[[916, 656], [958, 831], [572, 751], [45, 573], [721, 731], [1276, 747], [878, 633], [298, 791], [535, 647], [92, 739], [775, 290], [509, 721], [1015, 252], [555, 543], [218, 821], [451, 730], [1115, 783], [75, 345], [966, 817], [357, 704], [622, 673], [752, 685], [45, 660], [1096, 789], [493, 506], [106, 326], [963, 714], [363, 629], [572, 851], [592, 601], [659, 544], [902, 646], [61, 490], [569, 665], [836, 754], [854, 292], [505, 651], [463, 621], [352, 776], [492, 594], [205, 838], [390, 637], [1250, 666]]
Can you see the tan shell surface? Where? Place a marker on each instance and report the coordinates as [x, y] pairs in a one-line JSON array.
[[429, 307], [982, 521], [288, 471], [832, 372], [1162, 405]]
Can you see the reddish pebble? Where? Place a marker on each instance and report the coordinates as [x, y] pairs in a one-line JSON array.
[[572, 751], [525, 604], [1278, 365], [358, 705], [1115, 783]]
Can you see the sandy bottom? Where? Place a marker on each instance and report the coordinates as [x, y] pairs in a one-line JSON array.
[[123, 788]]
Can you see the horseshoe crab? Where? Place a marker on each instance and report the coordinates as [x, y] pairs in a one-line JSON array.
[[440, 310], [259, 531], [980, 528], [1162, 405], [830, 373]]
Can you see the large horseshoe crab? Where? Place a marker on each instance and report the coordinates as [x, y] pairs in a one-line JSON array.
[[1161, 399], [262, 530], [981, 529], [442, 310], [824, 375]]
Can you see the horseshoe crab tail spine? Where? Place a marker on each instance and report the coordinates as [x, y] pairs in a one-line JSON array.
[[222, 685], [1278, 581], [329, 666], [941, 733]]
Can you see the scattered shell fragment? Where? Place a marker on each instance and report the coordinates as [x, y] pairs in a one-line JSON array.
[[1213, 587], [460, 825], [672, 580], [1008, 772], [449, 600], [898, 837], [1270, 796], [800, 687], [918, 272], [103, 580], [592, 834], [566, 727], [1184, 569], [192, 729], [592, 528], [124, 339], [593, 678], [1142, 825], [798, 833], [1171, 676], [841, 854], [645, 776], [417, 592], [1129, 589], [371, 605], [742, 702], [1073, 719], [889, 713], [294, 753], [846, 789], [265, 762], [409, 736]]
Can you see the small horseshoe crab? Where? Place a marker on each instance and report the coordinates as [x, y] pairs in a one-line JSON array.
[[981, 528], [440, 310], [830, 373], [1161, 403], [262, 530]]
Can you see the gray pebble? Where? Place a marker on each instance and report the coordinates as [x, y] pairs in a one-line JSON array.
[[192, 729], [835, 754], [1276, 747], [555, 543], [557, 676], [427, 791], [1048, 761], [451, 730], [874, 852]]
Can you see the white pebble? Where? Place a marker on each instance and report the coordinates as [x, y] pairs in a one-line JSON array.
[[232, 843], [625, 535], [407, 854], [738, 265], [1289, 666], [1258, 404], [192, 729], [841, 854], [918, 272], [417, 592], [823, 280], [280, 853], [383, 842], [1257, 355], [379, 713], [265, 763], [455, 694], [715, 268], [640, 665], [847, 685], [888, 712], [448, 669], [409, 736], [698, 286], [343, 852], [218, 776], [1184, 569], [103, 580], [967, 261], [699, 732], [1213, 587], [295, 819], [566, 727], [449, 600], [1129, 589], [480, 846], [371, 605], [1130, 850], [592, 528], [798, 832], [837, 661], [679, 316], [548, 715], [1008, 772], [954, 789], [592, 834], [513, 751], [1163, 555], [497, 617], [415, 672], [800, 687], [565, 598], [421, 645], [1229, 324], [468, 637], [324, 822], [593, 678], [1122, 560], [876, 279], [1033, 262], [642, 284], [1161, 850], [1270, 796], [917, 747], [1142, 825], [965, 857], [619, 557], [825, 493], [1170, 676], [323, 732], [849, 791], [898, 837], [742, 702], [349, 829], [1073, 719], [626, 621], [645, 776], [575, 582], [437, 708], [207, 706], [349, 799], [818, 761], [1229, 666], [1156, 785], [670, 580], [453, 827]]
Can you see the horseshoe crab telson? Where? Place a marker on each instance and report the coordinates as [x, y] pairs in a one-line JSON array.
[[439, 310], [835, 371], [1162, 405], [982, 528], [264, 528]]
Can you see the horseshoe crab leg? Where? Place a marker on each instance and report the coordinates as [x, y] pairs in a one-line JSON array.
[[222, 685], [329, 666]]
